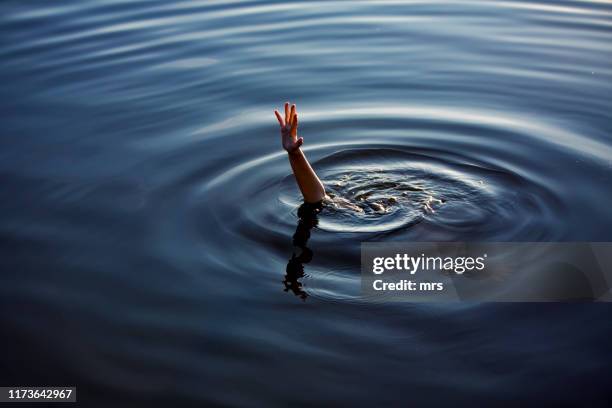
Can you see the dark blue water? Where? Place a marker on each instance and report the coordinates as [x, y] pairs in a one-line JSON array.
[[148, 212]]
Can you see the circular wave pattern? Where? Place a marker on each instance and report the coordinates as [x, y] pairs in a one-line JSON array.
[[408, 186], [141, 155], [379, 190]]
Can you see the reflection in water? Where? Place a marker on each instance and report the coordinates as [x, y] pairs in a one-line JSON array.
[[307, 214]]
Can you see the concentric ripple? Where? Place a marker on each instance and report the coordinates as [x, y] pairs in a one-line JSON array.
[[476, 185], [146, 195], [379, 190], [411, 187]]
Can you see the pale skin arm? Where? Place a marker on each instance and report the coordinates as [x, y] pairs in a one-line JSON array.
[[311, 187]]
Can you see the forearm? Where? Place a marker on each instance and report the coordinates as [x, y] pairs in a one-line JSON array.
[[311, 187]]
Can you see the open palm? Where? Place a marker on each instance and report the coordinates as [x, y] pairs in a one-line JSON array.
[[288, 125]]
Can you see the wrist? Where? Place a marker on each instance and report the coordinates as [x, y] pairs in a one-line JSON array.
[[294, 153]]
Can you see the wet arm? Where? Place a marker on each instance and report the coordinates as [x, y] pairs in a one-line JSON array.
[[310, 185]]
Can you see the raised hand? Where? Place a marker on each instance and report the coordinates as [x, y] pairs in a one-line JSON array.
[[288, 124], [311, 187]]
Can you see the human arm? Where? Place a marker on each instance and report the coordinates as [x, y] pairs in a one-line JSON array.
[[309, 183]]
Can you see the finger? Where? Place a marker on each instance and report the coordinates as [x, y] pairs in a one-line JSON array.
[[300, 142], [290, 117], [291, 114], [280, 118], [287, 112], [294, 124]]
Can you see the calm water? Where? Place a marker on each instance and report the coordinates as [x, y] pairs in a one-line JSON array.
[[148, 212]]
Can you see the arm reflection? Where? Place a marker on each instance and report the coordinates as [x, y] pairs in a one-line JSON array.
[[307, 214]]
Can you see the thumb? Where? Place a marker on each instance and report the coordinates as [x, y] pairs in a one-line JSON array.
[[300, 142]]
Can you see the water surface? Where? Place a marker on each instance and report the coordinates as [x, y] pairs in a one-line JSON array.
[[148, 212]]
